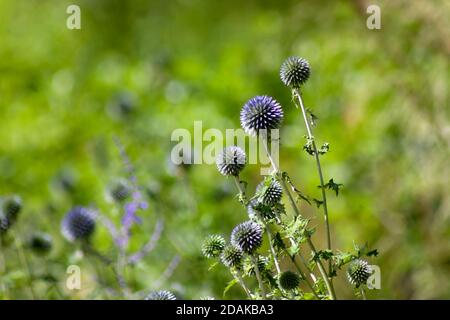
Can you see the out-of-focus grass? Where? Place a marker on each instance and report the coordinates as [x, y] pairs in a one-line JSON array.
[[381, 96]]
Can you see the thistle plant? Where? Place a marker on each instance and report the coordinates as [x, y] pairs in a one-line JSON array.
[[260, 248]]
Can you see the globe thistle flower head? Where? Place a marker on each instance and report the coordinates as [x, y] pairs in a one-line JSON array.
[[261, 113], [256, 210], [289, 280], [358, 272], [231, 256], [161, 295], [11, 208], [79, 223], [120, 191], [40, 242], [248, 236], [231, 161], [269, 192], [213, 246], [294, 72]]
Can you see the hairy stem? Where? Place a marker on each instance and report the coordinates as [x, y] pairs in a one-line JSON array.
[[319, 170], [297, 212], [363, 293], [272, 249], [24, 262], [239, 279], [258, 277]]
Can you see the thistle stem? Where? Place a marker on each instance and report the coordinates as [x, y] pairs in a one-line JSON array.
[[237, 181], [272, 249], [24, 262], [297, 212], [258, 277], [4, 270], [239, 279], [319, 170], [363, 293], [302, 273]]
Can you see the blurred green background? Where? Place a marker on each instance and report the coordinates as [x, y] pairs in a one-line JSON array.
[[137, 70]]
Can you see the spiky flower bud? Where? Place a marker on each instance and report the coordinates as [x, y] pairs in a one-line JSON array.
[[79, 223], [120, 191], [161, 295], [269, 192], [231, 256], [247, 236], [263, 265], [256, 210], [261, 113], [12, 207], [213, 246], [289, 280], [294, 72], [358, 272], [231, 161], [4, 224], [40, 242]]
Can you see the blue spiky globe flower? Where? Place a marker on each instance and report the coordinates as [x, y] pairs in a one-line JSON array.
[[256, 210], [358, 272], [161, 295], [213, 246], [289, 280], [78, 224], [231, 161], [248, 236], [231, 256], [261, 113], [4, 224], [269, 192], [294, 72]]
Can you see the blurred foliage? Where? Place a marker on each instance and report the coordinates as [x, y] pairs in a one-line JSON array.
[[137, 70]]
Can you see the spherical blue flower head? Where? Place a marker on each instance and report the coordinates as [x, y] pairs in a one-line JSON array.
[[79, 223], [261, 113], [294, 72], [161, 295], [247, 236], [231, 161]]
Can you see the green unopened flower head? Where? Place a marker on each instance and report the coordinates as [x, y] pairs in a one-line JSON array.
[[256, 209], [270, 192], [120, 190], [289, 280], [263, 265], [248, 236], [161, 295], [231, 161], [231, 256], [294, 72], [358, 272], [12, 207], [40, 242], [213, 246]]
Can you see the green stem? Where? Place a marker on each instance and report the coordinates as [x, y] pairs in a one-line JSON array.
[[272, 249], [319, 171], [4, 270], [24, 262], [363, 293], [258, 277], [302, 273], [322, 271], [239, 279]]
